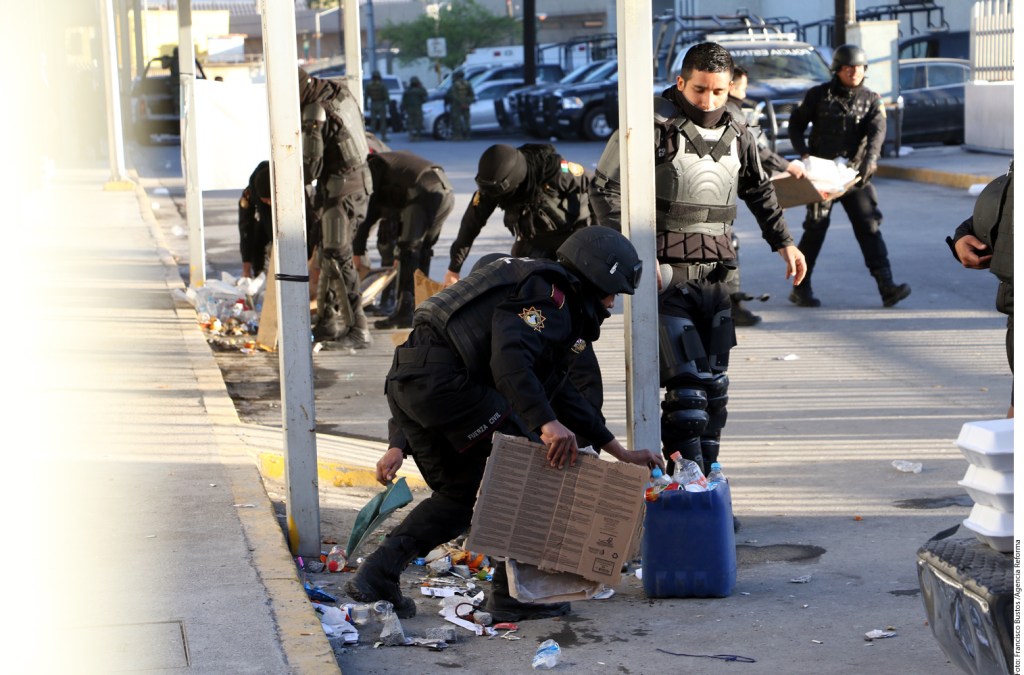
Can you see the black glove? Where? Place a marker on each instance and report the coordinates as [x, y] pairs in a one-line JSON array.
[[867, 169]]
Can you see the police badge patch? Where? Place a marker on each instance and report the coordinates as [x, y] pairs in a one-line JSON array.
[[533, 318], [580, 346]]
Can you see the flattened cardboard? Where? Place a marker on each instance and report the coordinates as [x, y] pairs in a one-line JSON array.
[[792, 191], [584, 520]]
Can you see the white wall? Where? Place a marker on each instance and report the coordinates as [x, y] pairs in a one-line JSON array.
[[988, 116]]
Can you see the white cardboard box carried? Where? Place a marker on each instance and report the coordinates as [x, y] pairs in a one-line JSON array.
[[824, 179], [584, 520]]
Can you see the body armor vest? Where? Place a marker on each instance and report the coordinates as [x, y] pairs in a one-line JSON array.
[[696, 187], [835, 130], [348, 134], [549, 212], [314, 121], [462, 312]]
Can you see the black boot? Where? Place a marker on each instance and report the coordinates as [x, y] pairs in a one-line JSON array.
[[401, 317], [803, 296], [377, 578], [890, 291], [386, 306], [741, 316], [357, 337], [503, 607]]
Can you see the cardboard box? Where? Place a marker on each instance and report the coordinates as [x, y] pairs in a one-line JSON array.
[[584, 520]]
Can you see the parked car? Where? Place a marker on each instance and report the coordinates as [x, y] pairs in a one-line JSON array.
[[546, 72], [941, 44], [396, 121], [933, 100], [525, 104], [483, 115], [156, 98]]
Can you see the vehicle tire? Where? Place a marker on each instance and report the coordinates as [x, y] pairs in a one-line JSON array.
[[595, 125], [443, 128]]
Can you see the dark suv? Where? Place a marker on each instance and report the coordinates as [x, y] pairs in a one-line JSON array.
[[156, 98], [575, 109]]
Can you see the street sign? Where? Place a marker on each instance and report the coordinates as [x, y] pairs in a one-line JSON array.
[[437, 48]]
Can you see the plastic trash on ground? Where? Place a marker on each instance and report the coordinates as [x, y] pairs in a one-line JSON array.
[[335, 623], [906, 466], [547, 655], [228, 306]]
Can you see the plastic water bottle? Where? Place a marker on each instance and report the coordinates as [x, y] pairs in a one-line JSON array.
[[688, 474], [716, 477], [547, 655]]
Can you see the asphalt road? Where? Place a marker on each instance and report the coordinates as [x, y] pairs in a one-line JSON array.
[[821, 402]]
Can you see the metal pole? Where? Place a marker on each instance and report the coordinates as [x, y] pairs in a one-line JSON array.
[[115, 128], [140, 43], [189, 147], [371, 35], [296, 360], [316, 23], [636, 138], [530, 41], [353, 50]]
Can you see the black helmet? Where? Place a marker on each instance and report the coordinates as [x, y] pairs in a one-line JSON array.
[[487, 259], [602, 257], [848, 55], [375, 75], [502, 168]]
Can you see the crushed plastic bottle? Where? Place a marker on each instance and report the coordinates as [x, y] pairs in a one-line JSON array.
[[547, 655], [906, 467], [335, 559]]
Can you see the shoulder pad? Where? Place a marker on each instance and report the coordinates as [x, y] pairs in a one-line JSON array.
[[664, 109]]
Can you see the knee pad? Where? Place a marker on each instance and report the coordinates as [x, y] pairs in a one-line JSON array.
[[680, 350], [718, 397], [334, 227]]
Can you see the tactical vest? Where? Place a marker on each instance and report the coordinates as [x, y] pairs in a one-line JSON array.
[[463, 312], [836, 123], [333, 131], [695, 187], [993, 224]]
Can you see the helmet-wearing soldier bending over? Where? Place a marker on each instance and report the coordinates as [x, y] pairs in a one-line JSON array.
[[414, 193], [334, 150], [703, 160], [847, 123], [489, 354]]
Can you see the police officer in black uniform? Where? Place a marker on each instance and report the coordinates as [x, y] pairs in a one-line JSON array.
[[703, 160], [416, 195], [334, 150], [255, 222], [848, 125], [544, 198], [985, 241], [489, 354]]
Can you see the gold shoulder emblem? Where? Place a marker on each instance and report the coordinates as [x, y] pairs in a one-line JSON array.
[[533, 318], [476, 198], [576, 169]]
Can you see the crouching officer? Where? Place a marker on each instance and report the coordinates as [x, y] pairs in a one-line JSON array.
[[544, 198], [489, 354], [416, 194], [255, 222]]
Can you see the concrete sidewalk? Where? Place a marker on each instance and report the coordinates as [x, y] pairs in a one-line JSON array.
[[151, 532]]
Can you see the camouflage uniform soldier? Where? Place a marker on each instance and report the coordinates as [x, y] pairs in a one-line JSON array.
[[378, 96], [412, 105], [458, 100]]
